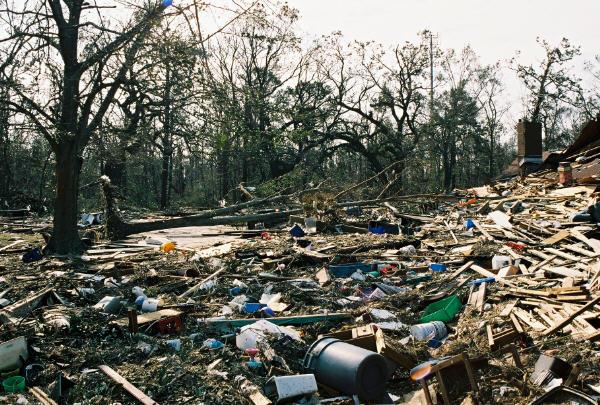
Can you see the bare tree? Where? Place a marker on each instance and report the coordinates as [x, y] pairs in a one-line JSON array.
[[75, 49]]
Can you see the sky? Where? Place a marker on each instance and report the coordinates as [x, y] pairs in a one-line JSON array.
[[494, 29]]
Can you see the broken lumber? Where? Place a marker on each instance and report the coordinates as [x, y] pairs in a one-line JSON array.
[[127, 386], [558, 326], [201, 283]]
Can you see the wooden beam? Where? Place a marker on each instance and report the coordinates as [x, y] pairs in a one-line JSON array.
[[199, 285], [570, 318], [127, 386], [556, 237]]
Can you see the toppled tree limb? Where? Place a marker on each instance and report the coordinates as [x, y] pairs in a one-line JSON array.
[[117, 228], [354, 187]]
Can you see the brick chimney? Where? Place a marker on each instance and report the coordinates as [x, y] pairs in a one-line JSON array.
[[529, 146]]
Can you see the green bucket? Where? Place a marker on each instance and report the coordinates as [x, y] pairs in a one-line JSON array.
[[14, 384], [443, 310]]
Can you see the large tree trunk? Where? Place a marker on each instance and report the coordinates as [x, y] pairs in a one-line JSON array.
[[164, 178], [117, 228], [65, 237]]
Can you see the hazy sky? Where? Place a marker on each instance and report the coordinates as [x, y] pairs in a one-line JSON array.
[[495, 29]]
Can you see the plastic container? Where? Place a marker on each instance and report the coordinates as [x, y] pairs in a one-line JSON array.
[[443, 310], [347, 368], [212, 344], [310, 224], [431, 330], [297, 231], [174, 344], [150, 305], [110, 305], [291, 386], [347, 269], [499, 262], [480, 281], [438, 267], [252, 307], [14, 384]]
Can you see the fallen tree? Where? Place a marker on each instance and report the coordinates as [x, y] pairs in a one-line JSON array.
[[117, 228]]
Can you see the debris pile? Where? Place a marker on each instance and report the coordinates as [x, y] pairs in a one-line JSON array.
[[490, 295]]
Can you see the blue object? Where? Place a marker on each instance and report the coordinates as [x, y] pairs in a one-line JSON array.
[[167, 3], [268, 312], [438, 267], [252, 307], [297, 231], [32, 256], [434, 343], [469, 224], [483, 280], [380, 228], [139, 301], [347, 269], [213, 344], [254, 365], [354, 211], [235, 291]]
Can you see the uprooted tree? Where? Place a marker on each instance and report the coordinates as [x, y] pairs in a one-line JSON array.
[[82, 64]]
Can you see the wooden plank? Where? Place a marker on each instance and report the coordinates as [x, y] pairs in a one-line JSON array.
[[539, 254], [198, 286], [149, 317], [528, 319], [562, 254], [463, 268], [15, 243], [577, 249], [42, 396], [581, 237], [573, 191], [487, 273], [508, 309], [481, 297], [563, 271], [451, 232], [483, 231], [127, 386], [516, 323], [569, 319], [560, 235]]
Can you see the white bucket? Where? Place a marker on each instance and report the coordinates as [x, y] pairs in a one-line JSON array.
[[150, 305], [430, 330]]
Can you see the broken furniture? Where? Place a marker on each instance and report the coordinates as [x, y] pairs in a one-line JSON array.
[[437, 371]]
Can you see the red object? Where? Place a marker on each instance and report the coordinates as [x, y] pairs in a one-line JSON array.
[[170, 324], [516, 246], [252, 352], [265, 235], [468, 202]]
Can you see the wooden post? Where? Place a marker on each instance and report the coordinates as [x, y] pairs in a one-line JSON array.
[[133, 324]]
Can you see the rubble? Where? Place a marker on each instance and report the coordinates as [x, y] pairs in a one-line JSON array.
[[492, 285]]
